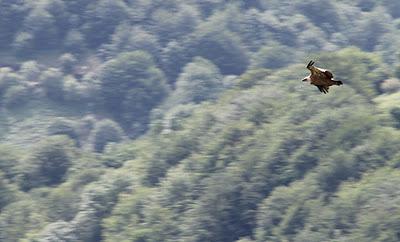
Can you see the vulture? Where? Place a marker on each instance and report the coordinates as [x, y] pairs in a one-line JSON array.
[[321, 78]]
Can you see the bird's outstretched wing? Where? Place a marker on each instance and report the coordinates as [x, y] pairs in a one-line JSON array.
[[319, 71]]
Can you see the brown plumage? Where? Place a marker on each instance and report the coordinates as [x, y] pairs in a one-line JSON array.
[[320, 78]]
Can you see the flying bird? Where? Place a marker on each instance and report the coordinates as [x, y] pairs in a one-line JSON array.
[[320, 78]]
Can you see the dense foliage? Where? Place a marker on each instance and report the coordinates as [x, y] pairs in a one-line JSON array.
[[183, 120]]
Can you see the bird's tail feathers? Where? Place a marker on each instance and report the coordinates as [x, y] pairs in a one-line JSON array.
[[338, 83]]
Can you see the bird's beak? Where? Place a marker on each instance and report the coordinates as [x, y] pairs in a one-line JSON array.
[[304, 80]]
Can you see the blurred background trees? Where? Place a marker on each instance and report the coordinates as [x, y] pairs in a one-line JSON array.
[[187, 120], [131, 85], [199, 81], [48, 164]]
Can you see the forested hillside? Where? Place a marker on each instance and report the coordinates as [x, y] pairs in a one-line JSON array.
[[187, 121]]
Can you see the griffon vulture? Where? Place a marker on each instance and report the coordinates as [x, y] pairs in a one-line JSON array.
[[321, 78]]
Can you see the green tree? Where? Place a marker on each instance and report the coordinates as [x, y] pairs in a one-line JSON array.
[[58, 9], [370, 29], [175, 117], [23, 44], [127, 38], [322, 13], [8, 78], [52, 83], [366, 5], [283, 213], [62, 126], [15, 96], [362, 70], [30, 70], [78, 92], [62, 202], [57, 231], [11, 17], [102, 17], [48, 163], [173, 57], [272, 56], [172, 23], [393, 7], [8, 192], [77, 6], [128, 212], [199, 81], [131, 85], [97, 201], [222, 47], [390, 85], [9, 160], [104, 132], [395, 112], [74, 41], [252, 29], [67, 62], [217, 215], [40, 24], [19, 218]]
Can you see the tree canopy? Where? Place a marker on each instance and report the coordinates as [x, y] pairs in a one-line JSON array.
[[183, 120]]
